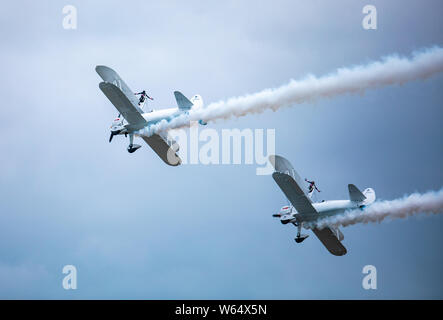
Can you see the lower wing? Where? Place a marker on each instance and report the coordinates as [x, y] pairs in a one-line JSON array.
[[163, 149], [331, 240]]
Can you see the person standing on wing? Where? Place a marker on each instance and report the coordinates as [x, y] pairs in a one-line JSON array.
[[143, 96], [312, 186]]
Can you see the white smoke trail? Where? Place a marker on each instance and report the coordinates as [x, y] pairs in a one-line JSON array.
[[427, 203], [389, 71]]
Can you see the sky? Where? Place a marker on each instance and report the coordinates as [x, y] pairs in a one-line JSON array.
[[135, 228]]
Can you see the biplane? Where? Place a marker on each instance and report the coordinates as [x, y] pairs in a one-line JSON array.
[[303, 212], [132, 119]]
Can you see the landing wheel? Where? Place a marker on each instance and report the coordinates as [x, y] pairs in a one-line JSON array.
[[301, 238], [133, 147]]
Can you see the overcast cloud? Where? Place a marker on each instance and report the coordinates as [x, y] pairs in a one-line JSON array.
[[136, 228]]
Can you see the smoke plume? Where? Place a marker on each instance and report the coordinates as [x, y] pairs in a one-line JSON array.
[[414, 204], [390, 70]]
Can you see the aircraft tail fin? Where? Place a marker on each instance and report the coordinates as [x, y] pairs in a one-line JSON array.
[[355, 194], [283, 165], [185, 104], [182, 102]]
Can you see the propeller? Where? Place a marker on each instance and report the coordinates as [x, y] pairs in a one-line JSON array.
[[114, 133]]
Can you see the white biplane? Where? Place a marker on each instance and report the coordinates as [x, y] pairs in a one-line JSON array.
[[302, 212], [131, 119]]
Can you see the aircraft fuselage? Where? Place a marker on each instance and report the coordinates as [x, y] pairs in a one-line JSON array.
[[158, 115], [324, 209], [120, 125]]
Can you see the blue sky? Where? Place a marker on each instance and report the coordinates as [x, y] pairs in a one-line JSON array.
[[136, 228]]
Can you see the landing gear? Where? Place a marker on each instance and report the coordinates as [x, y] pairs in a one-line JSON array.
[[300, 237], [132, 147]]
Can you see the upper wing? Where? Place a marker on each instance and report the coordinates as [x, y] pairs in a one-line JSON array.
[[284, 166], [290, 183], [331, 240], [123, 105], [109, 75], [121, 96], [296, 196], [163, 149]]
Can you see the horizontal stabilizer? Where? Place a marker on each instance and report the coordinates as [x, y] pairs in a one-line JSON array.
[[355, 194], [182, 102]]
